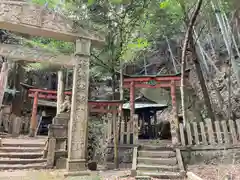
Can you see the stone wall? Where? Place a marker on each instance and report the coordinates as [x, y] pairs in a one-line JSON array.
[[125, 157], [211, 156]]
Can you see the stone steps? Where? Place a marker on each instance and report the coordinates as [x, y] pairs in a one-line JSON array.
[[36, 166], [21, 155], [7, 161], [157, 168], [162, 147], [30, 145], [157, 161], [20, 149], [162, 175], [156, 154]]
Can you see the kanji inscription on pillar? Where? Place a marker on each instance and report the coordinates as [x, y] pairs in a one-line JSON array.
[[79, 111]]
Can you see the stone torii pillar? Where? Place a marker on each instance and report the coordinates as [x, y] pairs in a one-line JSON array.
[[60, 90], [78, 133]]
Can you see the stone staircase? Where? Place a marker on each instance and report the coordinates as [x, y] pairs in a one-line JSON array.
[[158, 161], [22, 154]]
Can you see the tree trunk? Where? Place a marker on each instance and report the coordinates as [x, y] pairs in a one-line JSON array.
[[201, 79], [114, 123], [188, 35], [121, 91]]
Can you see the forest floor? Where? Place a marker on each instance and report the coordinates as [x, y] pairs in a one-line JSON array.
[[59, 175], [206, 172], [216, 172]]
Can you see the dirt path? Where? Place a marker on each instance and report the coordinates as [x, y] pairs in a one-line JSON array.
[[59, 175], [216, 172]]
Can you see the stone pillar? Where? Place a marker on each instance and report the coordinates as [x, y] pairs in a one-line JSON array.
[[77, 137], [60, 90], [3, 80]]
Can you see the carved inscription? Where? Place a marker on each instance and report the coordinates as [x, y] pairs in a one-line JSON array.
[[80, 111]]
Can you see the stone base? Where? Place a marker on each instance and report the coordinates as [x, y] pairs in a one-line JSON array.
[[32, 133], [76, 165], [61, 163], [133, 173], [77, 173]]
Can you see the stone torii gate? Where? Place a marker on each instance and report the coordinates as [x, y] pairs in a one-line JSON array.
[[22, 17]]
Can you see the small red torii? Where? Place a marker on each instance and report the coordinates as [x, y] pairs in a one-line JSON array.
[[156, 81]]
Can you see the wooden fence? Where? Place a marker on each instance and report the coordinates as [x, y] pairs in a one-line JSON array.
[[210, 133], [128, 130]]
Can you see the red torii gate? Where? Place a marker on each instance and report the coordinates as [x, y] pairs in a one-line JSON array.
[[97, 106], [130, 82], [156, 81]]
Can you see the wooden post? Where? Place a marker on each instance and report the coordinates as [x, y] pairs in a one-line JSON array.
[[115, 136], [155, 124], [182, 135], [218, 131], [60, 90], [134, 162], [203, 133], [122, 133], [135, 129], [195, 131], [233, 131], [110, 122], [189, 134], [3, 80], [238, 128], [225, 132], [128, 133], [121, 91], [33, 123], [104, 118], [174, 120], [211, 137]]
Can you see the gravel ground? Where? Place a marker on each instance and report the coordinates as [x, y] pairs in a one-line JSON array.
[[56, 175], [59, 175], [216, 172]]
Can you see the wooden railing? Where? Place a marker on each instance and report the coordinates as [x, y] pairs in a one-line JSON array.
[[128, 130], [210, 133], [126, 135]]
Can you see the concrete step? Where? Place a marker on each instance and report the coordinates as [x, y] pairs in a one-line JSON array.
[[157, 161], [21, 155], [23, 145], [4, 161], [156, 154], [143, 178], [159, 147], [36, 166], [21, 149], [157, 168], [161, 175]]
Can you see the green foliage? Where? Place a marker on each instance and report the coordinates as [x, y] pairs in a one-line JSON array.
[[50, 3], [54, 45]]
